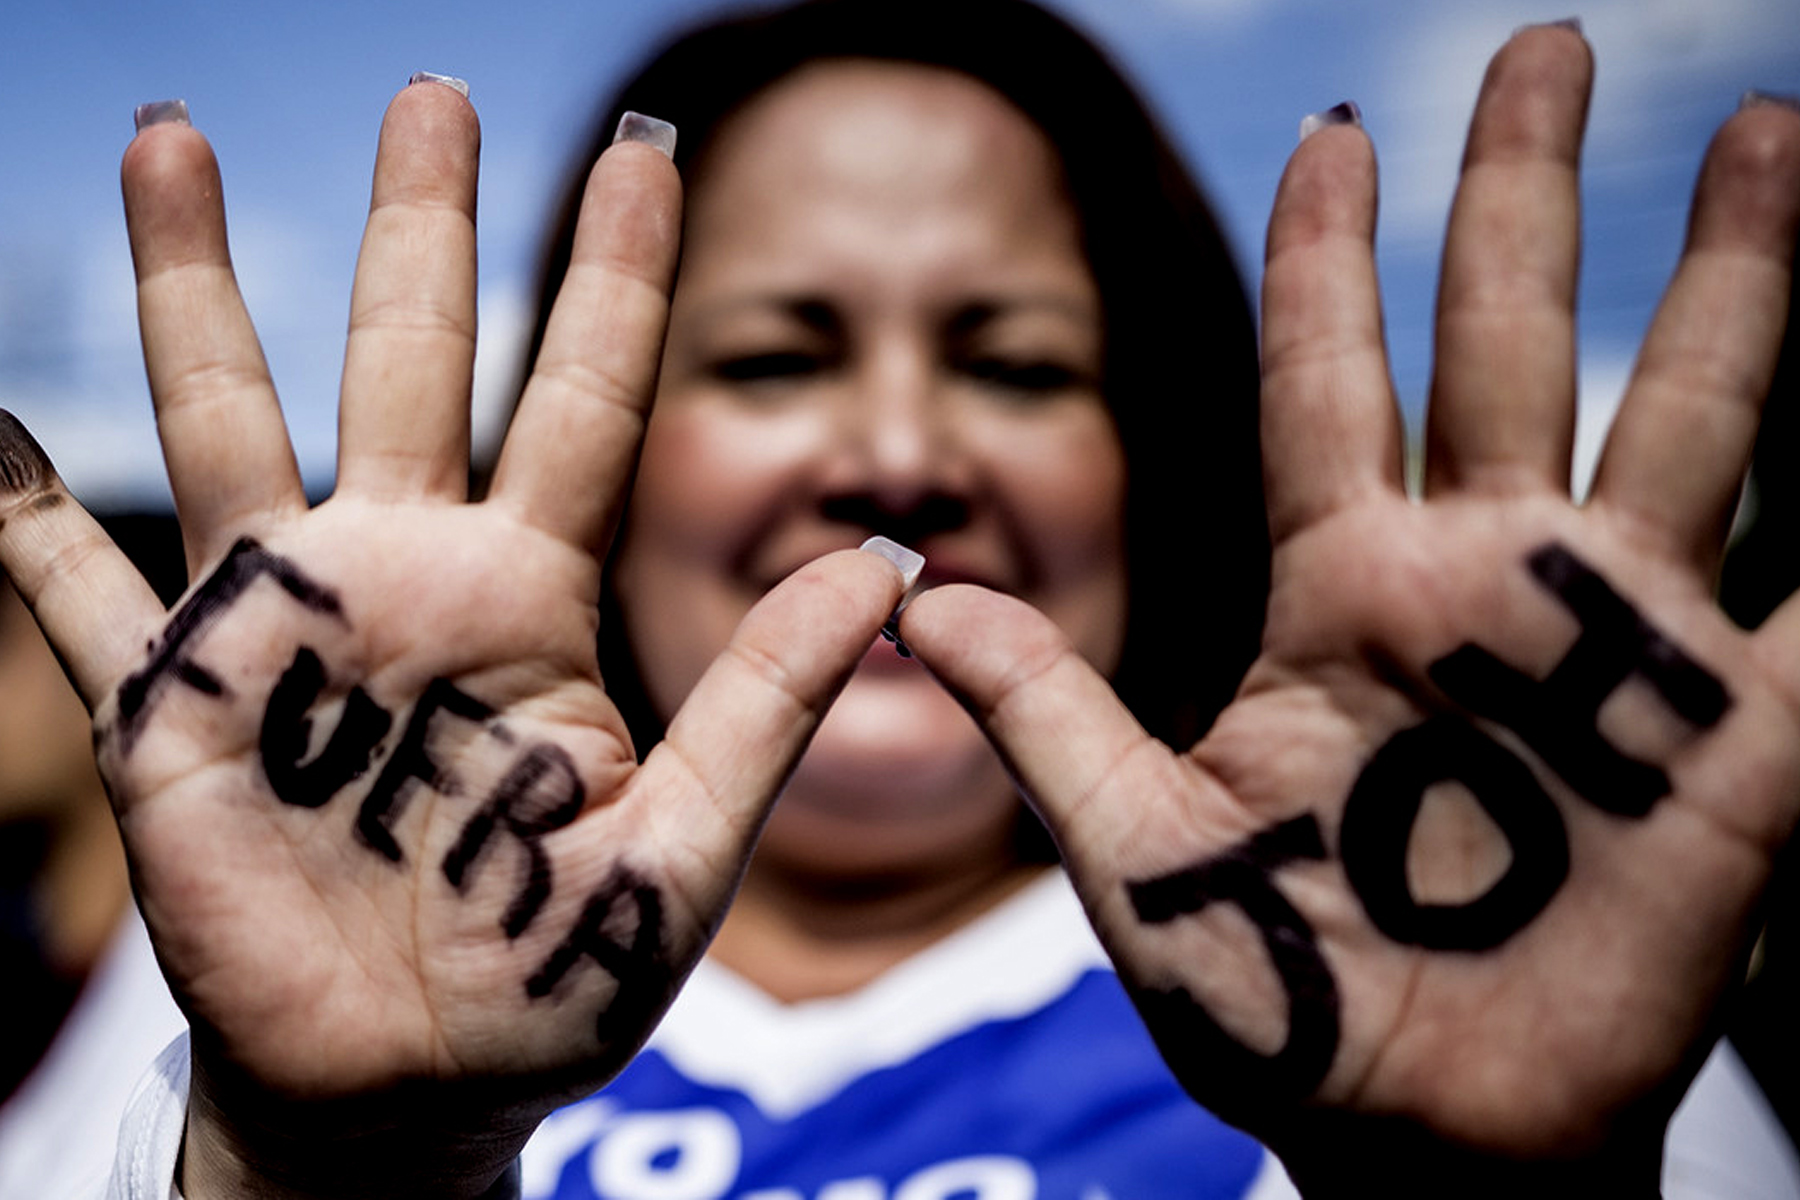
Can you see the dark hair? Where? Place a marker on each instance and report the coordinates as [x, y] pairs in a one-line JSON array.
[[1180, 372]]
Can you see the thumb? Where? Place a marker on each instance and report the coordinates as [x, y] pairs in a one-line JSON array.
[[1084, 762], [731, 747]]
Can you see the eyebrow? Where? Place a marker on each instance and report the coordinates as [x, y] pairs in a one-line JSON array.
[[969, 318], [823, 316], [814, 312]]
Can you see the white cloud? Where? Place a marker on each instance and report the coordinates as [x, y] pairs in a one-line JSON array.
[[1651, 55], [506, 314], [1214, 11], [106, 455], [297, 290], [95, 417], [1121, 17], [93, 412], [1603, 379], [295, 277]]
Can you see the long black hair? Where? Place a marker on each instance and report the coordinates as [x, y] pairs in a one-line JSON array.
[[1180, 371]]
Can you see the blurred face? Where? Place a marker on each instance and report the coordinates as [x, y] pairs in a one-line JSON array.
[[884, 324]]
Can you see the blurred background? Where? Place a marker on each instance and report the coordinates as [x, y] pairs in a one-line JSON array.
[[292, 95]]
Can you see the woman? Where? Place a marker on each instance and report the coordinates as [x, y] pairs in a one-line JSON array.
[[891, 322], [414, 892], [822, 384]]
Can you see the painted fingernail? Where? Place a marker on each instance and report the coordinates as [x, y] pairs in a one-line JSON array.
[[1756, 97], [158, 112], [891, 633], [1572, 24], [1346, 113], [908, 562], [449, 81], [636, 127]]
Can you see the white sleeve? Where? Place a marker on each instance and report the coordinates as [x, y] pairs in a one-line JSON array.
[[150, 1133], [1272, 1182], [1725, 1142]]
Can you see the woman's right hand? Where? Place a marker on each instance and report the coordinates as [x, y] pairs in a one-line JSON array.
[[401, 867]]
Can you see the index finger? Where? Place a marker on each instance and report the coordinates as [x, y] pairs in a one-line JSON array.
[[574, 440], [1065, 736]]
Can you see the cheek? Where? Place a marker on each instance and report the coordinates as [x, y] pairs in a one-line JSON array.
[[708, 483], [687, 486], [714, 472]]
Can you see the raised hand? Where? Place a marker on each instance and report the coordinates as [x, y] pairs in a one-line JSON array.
[[1448, 895], [401, 867]]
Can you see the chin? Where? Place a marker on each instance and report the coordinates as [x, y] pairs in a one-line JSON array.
[[896, 748]]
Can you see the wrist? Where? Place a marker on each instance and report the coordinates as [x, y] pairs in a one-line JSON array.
[[345, 1149], [1401, 1158]]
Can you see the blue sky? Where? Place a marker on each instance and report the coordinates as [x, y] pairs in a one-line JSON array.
[[292, 95]]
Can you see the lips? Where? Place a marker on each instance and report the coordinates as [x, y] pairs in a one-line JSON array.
[[944, 563], [936, 573]]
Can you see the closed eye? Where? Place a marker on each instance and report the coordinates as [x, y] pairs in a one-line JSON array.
[[753, 368], [1023, 376]]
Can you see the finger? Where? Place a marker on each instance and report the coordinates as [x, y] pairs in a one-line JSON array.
[[93, 606], [230, 465], [1675, 459], [403, 426], [1087, 765], [1502, 412], [745, 724], [1331, 431], [569, 453]]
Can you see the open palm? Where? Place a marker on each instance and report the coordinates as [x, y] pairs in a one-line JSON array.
[[1447, 896], [402, 869]]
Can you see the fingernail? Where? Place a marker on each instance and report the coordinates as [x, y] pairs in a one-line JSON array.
[[1346, 113], [159, 111], [908, 562], [1572, 24], [449, 81], [1755, 97], [636, 127], [891, 633]]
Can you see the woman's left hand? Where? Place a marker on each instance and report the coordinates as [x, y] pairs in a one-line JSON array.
[[1449, 894]]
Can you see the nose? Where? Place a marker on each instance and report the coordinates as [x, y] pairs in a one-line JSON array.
[[899, 465]]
